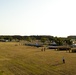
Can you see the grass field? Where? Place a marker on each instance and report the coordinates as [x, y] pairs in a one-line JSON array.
[[17, 59]]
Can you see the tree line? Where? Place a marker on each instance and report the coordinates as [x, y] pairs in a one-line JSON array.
[[42, 38]]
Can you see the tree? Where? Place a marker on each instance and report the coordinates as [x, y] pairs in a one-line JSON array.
[[8, 38], [28, 38], [68, 41], [51, 39], [58, 41], [43, 39]]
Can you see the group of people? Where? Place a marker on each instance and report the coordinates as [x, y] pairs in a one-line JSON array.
[[43, 49]]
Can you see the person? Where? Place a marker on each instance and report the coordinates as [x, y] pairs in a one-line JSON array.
[[63, 60], [44, 48]]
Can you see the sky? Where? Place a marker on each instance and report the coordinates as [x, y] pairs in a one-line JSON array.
[[38, 17]]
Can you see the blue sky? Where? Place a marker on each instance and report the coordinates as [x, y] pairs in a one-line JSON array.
[[38, 17]]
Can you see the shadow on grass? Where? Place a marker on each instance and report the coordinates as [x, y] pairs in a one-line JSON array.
[[38, 51], [1, 72], [57, 64]]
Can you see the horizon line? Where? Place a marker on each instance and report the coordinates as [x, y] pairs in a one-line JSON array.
[[35, 35]]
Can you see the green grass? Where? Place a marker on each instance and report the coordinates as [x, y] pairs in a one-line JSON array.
[[17, 59]]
